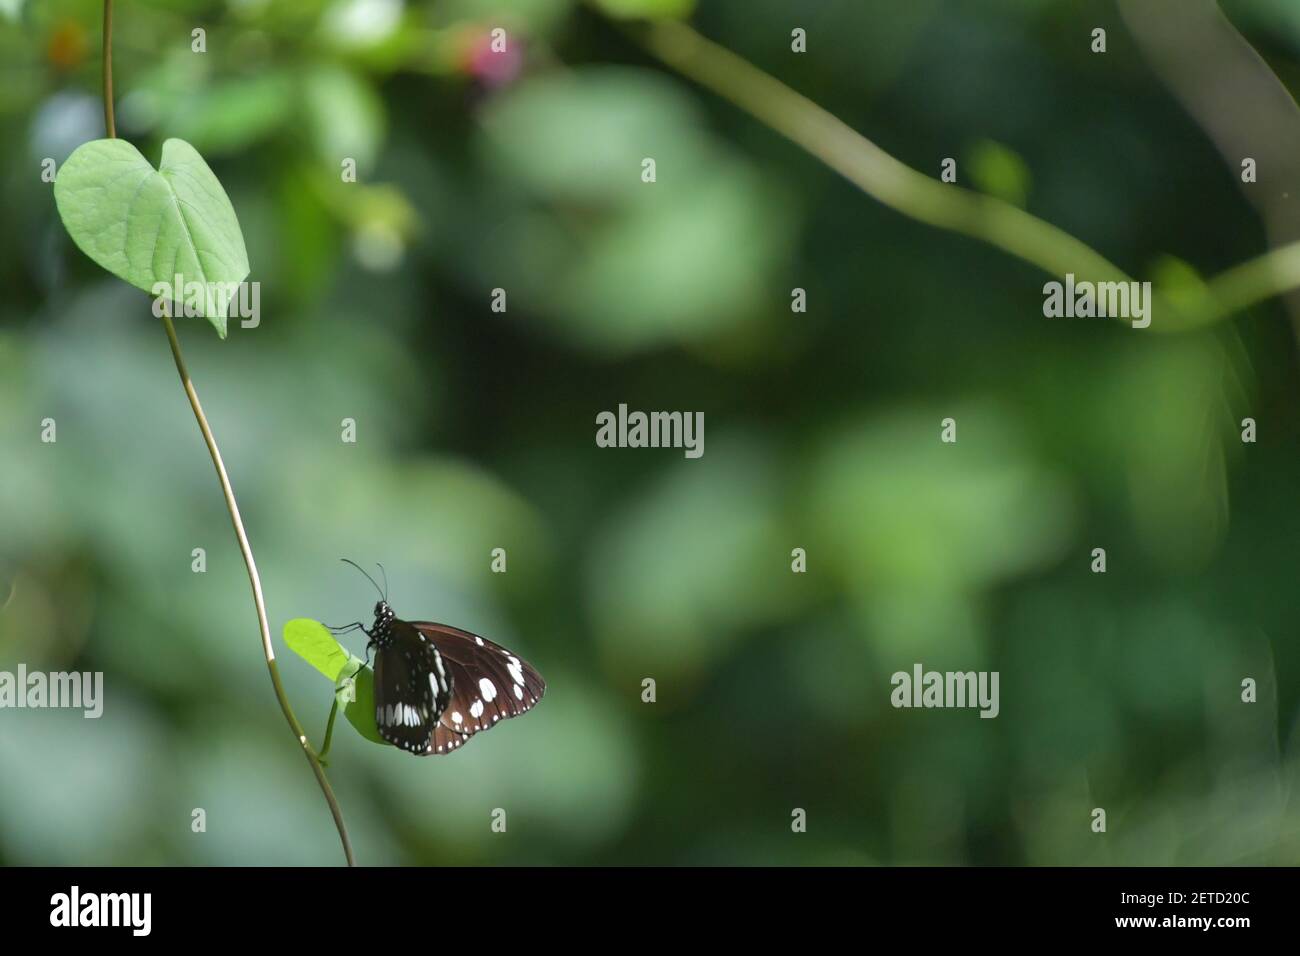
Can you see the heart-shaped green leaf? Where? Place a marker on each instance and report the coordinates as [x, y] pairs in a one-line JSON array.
[[312, 641], [171, 226]]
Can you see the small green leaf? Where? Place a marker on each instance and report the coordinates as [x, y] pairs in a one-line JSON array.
[[999, 171], [354, 683], [1179, 284], [312, 641], [150, 226]]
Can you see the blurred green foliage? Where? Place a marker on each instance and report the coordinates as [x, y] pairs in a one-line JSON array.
[[475, 431]]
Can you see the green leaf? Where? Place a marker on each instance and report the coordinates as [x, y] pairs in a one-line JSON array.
[[149, 226], [312, 641], [345, 116], [354, 683], [999, 171], [232, 115], [1179, 284]]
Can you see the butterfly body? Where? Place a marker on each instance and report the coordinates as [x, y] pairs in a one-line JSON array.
[[436, 686]]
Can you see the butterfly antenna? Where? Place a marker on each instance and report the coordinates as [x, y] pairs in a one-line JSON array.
[[385, 574], [368, 577]]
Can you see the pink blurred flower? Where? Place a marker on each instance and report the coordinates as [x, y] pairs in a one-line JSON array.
[[488, 66]]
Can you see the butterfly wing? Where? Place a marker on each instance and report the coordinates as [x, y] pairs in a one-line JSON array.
[[489, 684], [412, 689]]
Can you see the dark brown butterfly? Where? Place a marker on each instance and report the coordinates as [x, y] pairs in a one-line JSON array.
[[436, 686]]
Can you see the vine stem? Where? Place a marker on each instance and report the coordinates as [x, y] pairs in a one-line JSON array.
[[247, 551], [329, 732], [946, 206], [107, 59], [232, 506]]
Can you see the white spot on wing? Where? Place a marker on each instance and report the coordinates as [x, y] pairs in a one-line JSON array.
[[488, 689]]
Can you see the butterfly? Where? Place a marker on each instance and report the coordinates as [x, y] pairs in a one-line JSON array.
[[436, 686]]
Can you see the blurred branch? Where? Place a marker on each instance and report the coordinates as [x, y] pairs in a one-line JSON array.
[[869, 167], [1237, 99], [1253, 281], [231, 505], [947, 205]]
